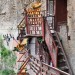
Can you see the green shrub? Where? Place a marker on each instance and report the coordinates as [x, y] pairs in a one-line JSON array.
[[8, 72]]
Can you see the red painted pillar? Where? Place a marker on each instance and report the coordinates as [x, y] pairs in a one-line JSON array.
[[43, 28], [26, 20]]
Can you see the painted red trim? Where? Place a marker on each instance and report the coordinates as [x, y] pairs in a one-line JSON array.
[[26, 20], [24, 64], [46, 5], [43, 28], [51, 47], [21, 56]]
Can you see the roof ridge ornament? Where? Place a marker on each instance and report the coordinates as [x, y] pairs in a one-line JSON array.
[[36, 5]]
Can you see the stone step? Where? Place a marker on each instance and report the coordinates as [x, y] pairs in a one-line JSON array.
[[60, 54], [56, 40], [59, 47], [64, 68], [62, 60]]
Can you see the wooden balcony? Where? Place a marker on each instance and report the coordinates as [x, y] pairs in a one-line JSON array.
[[34, 24]]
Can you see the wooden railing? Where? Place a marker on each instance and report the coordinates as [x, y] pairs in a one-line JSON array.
[[34, 23], [51, 44], [45, 69], [21, 29], [46, 13], [70, 70], [39, 67], [23, 60]]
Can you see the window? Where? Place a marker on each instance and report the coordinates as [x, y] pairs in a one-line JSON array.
[[50, 7]]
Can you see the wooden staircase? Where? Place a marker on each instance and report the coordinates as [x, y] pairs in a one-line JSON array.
[[61, 58]]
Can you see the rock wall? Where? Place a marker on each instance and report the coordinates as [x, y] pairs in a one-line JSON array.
[[71, 31], [67, 34], [10, 16]]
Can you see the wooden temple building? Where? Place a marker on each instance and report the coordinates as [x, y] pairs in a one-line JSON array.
[[39, 38]]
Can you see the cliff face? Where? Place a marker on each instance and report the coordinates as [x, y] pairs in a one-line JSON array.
[[71, 32], [10, 16]]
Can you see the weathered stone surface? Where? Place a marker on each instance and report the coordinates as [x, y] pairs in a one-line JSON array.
[[69, 45], [10, 16]]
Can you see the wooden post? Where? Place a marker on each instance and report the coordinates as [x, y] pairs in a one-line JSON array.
[[26, 22], [43, 28]]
